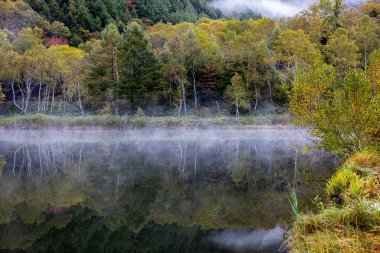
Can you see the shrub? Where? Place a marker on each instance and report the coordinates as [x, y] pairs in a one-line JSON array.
[[37, 119], [140, 112], [341, 181]]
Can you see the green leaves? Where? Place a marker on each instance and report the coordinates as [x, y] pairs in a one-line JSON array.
[[342, 52], [341, 115], [238, 94], [294, 204], [140, 69]]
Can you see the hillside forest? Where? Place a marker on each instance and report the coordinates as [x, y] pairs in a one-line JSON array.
[[177, 58]]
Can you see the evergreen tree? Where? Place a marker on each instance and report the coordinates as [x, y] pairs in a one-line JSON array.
[[103, 75], [155, 10], [140, 71]]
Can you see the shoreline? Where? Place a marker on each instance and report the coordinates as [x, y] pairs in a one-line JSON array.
[[350, 220], [104, 122]]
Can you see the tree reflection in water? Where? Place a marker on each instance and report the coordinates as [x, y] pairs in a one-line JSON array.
[[138, 192]]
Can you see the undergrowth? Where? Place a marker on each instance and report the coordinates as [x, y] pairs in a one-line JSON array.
[[350, 221]]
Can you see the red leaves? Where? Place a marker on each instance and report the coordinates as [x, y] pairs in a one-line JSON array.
[[55, 41], [131, 5]]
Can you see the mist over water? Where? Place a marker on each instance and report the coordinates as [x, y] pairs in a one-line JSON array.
[[179, 190], [270, 8], [291, 135]]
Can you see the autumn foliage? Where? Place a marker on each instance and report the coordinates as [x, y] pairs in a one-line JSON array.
[[56, 42]]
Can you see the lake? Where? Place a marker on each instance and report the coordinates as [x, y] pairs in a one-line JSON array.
[[155, 190]]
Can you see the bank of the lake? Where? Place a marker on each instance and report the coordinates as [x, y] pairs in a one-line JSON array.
[[39, 121], [350, 221]]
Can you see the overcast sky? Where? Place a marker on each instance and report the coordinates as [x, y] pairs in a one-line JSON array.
[[269, 8]]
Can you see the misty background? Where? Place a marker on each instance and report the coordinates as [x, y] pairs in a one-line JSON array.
[[269, 8]]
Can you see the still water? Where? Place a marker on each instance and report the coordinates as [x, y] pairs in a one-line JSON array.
[[154, 190]]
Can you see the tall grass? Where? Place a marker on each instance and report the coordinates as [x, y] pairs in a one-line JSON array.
[[350, 221], [294, 204]]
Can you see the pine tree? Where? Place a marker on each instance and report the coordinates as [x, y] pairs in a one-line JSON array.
[[140, 70], [103, 75]]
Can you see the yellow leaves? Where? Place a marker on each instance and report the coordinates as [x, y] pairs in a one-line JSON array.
[[66, 58], [215, 28], [309, 92], [296, 49], [373, 71], [209, 46], [66, 51], [69, 63], [2, 98], [7, 7], [370, 8], [341, 115], [342, 51], [3, 162], [8, 59], [237, 92], [262, 28]]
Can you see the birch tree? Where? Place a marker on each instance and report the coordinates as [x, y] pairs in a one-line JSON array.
[[237, 94]]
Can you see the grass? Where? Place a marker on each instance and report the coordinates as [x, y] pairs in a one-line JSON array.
[[294, 204], [38, 121], [350, 221]]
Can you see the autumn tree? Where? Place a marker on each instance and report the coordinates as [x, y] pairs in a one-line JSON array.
[[330, 11], [247, 51], [27, 39], [48, 76], [341, 116], [195, 58], [365, 34], [58, 29], [373, 70], [17, 14], [237, 94], [178, 62], [4, 41], [211, 58], [371, 8], [46, 85], [69, 72], [2, 96], [18, 71], [293, 50], [310, 22], [342, 52]]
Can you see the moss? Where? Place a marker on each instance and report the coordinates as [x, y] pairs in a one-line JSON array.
[[350, 221]]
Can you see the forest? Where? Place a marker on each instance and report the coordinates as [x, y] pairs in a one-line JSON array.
[[59, 58], [322, 61]]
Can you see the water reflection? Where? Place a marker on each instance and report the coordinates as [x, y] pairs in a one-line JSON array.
[[152, 191]]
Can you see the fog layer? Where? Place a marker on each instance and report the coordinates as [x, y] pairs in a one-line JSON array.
[[269, 8]]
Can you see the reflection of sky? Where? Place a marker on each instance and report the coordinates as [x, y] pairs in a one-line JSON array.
[[271, 8], [258, 240]]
